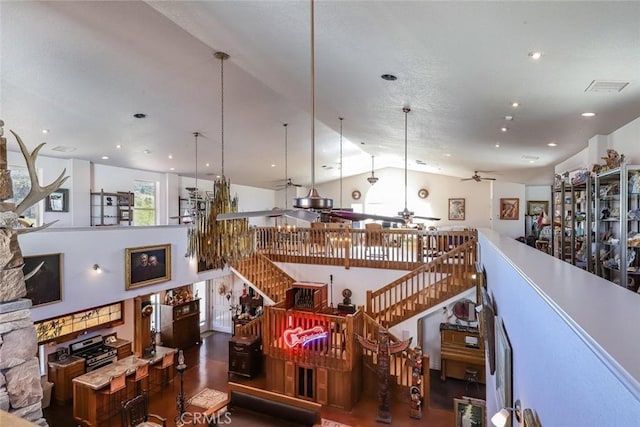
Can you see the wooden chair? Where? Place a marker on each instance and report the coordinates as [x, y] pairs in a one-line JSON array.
[[163, 369], [135, 412], [373, 237], [136, 382], [117, 384]]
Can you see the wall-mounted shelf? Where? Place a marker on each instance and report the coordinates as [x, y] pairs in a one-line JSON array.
[[111, 208]]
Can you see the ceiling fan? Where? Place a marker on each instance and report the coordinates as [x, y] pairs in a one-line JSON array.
[[289, 183], [478, 178]]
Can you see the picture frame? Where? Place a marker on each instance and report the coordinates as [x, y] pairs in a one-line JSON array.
[[57, 201], [509, 208], [125, 199], [469, 412], [503, 367], [456, 209], [45, 286], [536, 207], [487, 329], [147, 265]]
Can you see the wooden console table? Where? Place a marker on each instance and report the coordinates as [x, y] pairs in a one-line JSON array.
[[461, 348]]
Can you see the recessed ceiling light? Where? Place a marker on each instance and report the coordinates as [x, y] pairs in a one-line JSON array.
[[447, 155], [504, 129], [105, 157], [139, 115], [45, 130], [172, 169], [535, 55], [389, 77], [531, 161], [119, 146], [273, 166], [497, 145], [146, 151], [508, 118], [552, 144], [171, 156], [515, 104], [588, 114], [207, 164]]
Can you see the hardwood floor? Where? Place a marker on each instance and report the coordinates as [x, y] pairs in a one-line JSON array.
[[207, 367]]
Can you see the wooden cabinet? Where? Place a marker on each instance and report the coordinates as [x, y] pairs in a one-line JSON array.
[[306, 296], [111, 208], [123, 347], [461, 348], [245, 356], [180, 324], [60, 373]]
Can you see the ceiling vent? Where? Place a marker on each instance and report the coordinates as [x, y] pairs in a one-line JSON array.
[[63, 149], [606, 86], [528, 157]]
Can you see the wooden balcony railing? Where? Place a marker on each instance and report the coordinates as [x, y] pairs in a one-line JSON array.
[[439, 279], [253, 328], [337, 351], [397, 249]]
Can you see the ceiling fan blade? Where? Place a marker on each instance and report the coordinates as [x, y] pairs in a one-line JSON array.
[[429, 218], [296, 214], [354, 216], [489, 179], [466, 179]]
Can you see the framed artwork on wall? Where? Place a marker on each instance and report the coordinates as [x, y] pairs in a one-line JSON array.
[[45, 286], [147, 265], [503, 367], [469, 412], [456, 209], [536, 207], [509, 208], [57, 201]]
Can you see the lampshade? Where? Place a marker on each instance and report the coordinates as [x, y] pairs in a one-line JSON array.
[[500, 418]]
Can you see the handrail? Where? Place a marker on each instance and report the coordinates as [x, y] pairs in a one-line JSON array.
[[266, 276], [253, 328]]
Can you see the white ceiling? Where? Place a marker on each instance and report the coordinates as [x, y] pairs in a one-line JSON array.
[[82, 69]]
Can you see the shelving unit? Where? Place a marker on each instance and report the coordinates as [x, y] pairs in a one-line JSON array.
[[188, 206], [111, 208], [617, 250], [571, 210]]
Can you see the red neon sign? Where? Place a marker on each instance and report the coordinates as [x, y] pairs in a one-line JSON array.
[[293, 337]]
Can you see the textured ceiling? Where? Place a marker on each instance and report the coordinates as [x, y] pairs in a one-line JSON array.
[[82, 69]]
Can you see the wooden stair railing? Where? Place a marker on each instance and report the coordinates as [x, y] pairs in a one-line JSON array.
[[426, 286], [253, 328], [270, 279]]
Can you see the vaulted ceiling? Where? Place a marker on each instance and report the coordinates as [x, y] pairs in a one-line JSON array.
[[83, 69]]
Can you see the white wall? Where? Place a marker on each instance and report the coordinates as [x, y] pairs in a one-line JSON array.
[[511, 228], [572, 360], [441, 188]]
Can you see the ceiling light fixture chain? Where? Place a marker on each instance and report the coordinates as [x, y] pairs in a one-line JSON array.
[[341, 119], [222, 56]]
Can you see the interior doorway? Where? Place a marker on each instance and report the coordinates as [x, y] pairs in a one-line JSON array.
[[202, 290]]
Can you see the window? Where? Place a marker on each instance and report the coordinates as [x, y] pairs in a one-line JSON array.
[[21, 187], [305, 382], [144, 206]]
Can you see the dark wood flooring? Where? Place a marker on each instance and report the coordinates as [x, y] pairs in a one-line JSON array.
[[207, 367]]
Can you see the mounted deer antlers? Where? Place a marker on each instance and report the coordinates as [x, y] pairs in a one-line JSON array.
[[37, 192]]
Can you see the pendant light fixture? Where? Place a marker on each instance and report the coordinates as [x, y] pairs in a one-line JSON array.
[[372, 179], [313, 199], [406, 213], [221, 243]]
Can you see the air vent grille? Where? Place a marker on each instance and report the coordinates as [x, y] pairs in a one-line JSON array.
[[606, 86], [529, 157], [63, 149]]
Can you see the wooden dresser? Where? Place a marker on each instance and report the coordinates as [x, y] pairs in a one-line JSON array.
[[180, 324], [461, 348]]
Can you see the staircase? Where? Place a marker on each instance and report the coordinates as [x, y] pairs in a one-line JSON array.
[[263, 274], [424, 287]]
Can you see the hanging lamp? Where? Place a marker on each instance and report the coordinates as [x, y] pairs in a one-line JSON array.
[[372, 179], [222, 243], [406, 214], [313, 200]]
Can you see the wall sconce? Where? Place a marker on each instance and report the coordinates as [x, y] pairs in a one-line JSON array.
[[501, 417], [97, 268]]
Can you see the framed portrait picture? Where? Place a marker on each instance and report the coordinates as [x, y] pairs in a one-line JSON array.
[[469, 412], [503, 367], [58, 201], [45, 286], [456, 209], [509, 208], [536, 207], [147, 265]]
